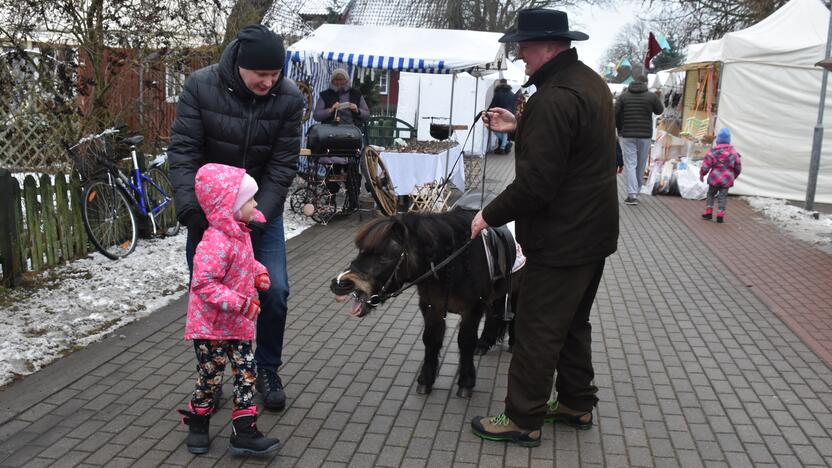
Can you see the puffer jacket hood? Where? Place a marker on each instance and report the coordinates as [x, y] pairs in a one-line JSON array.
[[216, 188], [637, 87]]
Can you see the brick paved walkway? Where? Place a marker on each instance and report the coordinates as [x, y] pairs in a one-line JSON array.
[[687, 378], [792, 278]]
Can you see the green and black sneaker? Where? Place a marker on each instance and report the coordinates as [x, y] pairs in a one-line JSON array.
[[500, 428]]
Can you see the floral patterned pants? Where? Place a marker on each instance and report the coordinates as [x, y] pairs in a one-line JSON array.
[[212, 356]]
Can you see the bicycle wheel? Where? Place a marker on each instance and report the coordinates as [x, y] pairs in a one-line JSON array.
[[157, 191], [109, 220]]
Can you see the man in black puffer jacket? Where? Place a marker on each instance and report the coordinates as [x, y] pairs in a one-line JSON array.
[[634, 111], [242, 112]]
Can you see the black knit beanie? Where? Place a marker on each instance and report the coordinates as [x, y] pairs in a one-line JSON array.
[[260, 49]]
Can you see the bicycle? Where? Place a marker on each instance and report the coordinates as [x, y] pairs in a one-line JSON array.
[[111, 199]]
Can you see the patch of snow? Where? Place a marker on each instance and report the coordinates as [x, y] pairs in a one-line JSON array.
[[798, 222], [77, 304]]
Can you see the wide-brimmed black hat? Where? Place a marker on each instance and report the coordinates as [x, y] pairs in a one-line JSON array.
[[542, 24]]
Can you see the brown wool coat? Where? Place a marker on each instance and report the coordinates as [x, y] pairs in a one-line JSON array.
[[563, 197]]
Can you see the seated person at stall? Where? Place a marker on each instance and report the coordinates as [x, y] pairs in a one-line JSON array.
[[340, 92], [348, 104]]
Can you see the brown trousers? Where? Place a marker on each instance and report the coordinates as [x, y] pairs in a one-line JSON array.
[[552, 333]]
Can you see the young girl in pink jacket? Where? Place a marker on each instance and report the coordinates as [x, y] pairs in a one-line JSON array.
[[223, 308], [722, 165]]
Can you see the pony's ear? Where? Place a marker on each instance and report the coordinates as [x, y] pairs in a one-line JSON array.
[[398, 230]]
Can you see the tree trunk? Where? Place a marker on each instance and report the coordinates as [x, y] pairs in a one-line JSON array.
[[244, 13]]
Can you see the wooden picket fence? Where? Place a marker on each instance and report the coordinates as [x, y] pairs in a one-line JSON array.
[[42, 224]]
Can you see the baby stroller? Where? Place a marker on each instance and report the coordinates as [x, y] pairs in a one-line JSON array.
[[328, 165]]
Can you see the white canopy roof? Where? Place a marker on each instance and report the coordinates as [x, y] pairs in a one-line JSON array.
[[403, 49], [794, 35]]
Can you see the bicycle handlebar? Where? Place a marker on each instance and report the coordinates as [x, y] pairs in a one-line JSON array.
[[105, 132]]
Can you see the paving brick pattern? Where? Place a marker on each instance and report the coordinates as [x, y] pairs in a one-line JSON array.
[[793, 278], [694, 369]]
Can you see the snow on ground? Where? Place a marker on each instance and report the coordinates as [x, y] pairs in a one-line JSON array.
[[72, 306], [798, 222]]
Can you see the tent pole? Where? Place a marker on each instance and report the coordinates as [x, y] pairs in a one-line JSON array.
[[450, 124], [476, 98], [817, 141]]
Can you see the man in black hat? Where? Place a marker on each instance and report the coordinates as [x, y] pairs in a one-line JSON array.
[[563, 200], [243, 113]]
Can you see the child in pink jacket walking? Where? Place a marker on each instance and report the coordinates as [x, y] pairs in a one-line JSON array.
[[723, 163], [223, 308]]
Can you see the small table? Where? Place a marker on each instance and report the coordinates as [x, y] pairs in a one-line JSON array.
[[410, 169]]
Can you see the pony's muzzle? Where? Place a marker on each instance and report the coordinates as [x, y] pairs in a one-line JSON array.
[[341, 286]]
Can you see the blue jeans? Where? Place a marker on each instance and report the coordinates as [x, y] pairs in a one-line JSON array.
[[502, 139], [270, 250]]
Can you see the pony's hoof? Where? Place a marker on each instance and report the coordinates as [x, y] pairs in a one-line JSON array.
[[481, 350], [423, 389], [465, 392]]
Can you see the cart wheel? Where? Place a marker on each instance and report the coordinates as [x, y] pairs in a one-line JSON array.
[[379, 179], [299, 198], [324, 204]]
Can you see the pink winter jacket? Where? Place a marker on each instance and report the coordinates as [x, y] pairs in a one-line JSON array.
[[224, 264], [723, 163]]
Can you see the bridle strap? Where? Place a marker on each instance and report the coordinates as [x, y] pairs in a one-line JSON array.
[[377, 299]]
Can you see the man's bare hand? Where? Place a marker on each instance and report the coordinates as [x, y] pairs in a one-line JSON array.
[[477, 225], [498, 119]]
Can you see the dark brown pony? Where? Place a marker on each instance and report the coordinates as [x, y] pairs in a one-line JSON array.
[[396, 251]]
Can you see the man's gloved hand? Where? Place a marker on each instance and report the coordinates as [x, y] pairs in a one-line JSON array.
[[262, 282], [257, 228], [196, 221], [251, 309]]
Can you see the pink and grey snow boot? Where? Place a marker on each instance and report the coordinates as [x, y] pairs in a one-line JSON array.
[[708, 214], [720, 216]]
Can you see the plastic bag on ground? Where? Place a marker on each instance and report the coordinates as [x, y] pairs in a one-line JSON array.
[[688, 181]]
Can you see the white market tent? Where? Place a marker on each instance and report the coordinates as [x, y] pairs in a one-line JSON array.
[[432, 51], [380, 48], [768, 97], [402, 49]]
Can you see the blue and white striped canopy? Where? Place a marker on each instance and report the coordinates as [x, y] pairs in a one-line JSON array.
[[399, 49]]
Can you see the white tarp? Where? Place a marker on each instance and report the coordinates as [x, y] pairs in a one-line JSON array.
[[403, 49], [422, 96], [769, 97]]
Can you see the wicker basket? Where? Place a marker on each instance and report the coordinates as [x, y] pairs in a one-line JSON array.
[[87, 156]]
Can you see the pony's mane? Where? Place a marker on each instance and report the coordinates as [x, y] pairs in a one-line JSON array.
[[440, 231]]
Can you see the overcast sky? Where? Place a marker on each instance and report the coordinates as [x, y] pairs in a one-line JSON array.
[[602, 24]]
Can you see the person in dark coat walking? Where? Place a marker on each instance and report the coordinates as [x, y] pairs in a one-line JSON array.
[[634, 111], [503, 98], [241, 112], [564, 204]]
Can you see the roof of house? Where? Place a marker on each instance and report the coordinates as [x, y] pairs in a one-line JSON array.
[[392, 13]]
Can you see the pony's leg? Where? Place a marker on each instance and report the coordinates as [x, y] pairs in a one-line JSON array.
[[432, 338], [467, 341]]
